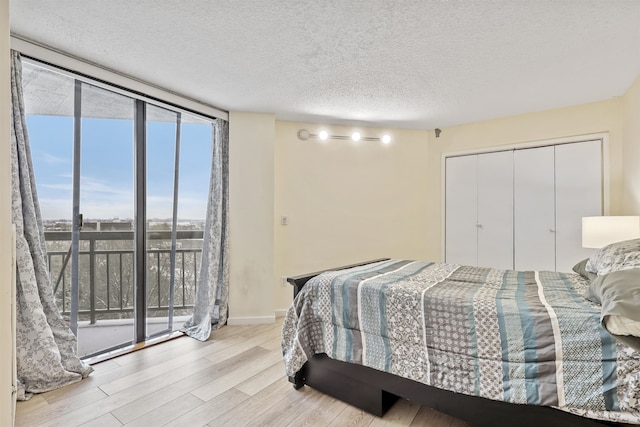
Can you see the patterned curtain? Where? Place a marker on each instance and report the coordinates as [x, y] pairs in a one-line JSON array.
[[45, 346], [212, 295]]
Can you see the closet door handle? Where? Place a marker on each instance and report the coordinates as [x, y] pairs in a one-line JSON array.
[[479, 225], [552, 230]]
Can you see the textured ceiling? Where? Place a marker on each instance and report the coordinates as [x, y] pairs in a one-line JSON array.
[[414, 64]]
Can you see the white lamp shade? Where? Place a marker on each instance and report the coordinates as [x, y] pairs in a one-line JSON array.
[[599, 231]]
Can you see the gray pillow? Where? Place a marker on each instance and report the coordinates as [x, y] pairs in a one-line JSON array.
[[581, 269], [619, 294], [615, 257]]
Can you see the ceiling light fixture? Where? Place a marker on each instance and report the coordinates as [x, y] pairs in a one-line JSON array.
[[323, 135]]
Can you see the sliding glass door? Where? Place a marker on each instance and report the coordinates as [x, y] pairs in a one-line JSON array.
[[104, 224], [178, 161], [123, 186]]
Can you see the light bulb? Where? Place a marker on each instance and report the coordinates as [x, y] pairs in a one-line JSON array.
[[323, 135], [355, 136], [386, 139]]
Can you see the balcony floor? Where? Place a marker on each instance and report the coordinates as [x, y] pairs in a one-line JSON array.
[[109, 333]]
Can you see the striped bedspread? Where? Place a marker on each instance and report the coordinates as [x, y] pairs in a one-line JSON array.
[[523, 337]]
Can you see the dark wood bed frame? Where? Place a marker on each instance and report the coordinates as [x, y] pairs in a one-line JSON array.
[[376, 391]]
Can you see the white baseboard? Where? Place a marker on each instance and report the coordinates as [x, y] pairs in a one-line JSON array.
[[281, 312], [256, 320]]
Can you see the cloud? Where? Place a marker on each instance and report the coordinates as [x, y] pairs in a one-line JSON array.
[[89, 185], [52, 208], [50, 159], [65, 187], [99, 200]]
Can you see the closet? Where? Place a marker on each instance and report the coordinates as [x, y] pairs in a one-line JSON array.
[[522, 208], [479, 210]]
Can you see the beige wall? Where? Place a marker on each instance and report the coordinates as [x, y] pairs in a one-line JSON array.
[[347, 202], [592, 118], [631, 165], [6, 335], [251, 223]]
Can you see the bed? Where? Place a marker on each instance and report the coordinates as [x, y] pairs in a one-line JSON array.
[[492, 347]]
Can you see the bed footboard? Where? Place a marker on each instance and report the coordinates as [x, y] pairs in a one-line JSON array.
[[298, 282]]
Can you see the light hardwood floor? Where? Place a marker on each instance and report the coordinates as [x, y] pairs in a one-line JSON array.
[[234, 379]]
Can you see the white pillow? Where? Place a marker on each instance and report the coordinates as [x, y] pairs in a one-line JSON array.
[[620, 325]]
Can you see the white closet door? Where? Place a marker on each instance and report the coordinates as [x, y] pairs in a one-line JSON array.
[[578, 194], [495, 210], [461, 239], [534, 212]]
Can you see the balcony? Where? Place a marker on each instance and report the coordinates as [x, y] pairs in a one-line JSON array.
[[106, 277]]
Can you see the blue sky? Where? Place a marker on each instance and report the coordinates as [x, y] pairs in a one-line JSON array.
[[107, 167]]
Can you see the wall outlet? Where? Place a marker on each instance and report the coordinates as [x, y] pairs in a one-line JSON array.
[[284, 220], [283, 281]]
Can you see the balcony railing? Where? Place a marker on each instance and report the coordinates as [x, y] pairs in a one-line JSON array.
[[106, 276]]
